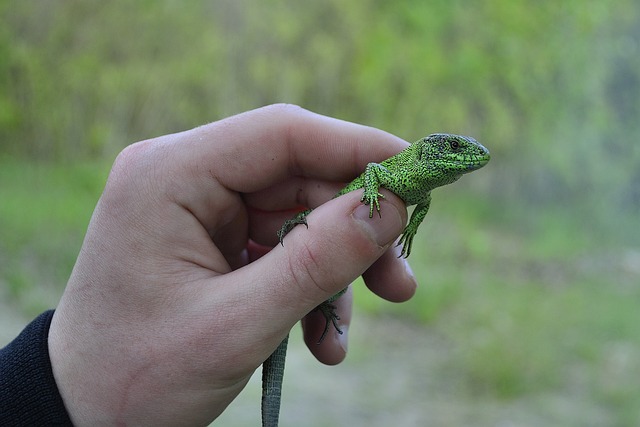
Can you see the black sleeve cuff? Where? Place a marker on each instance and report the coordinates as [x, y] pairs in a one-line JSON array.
[[28, 392]]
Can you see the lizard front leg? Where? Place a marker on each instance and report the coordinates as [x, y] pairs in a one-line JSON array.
[[411, 229], [375, 176]]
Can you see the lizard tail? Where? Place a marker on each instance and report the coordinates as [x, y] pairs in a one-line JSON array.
[[272, 374]]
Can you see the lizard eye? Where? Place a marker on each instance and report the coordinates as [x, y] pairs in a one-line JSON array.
[[454, 144]]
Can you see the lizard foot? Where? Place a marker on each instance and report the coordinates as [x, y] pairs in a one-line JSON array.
[[373, 201], [329, 312], [406, 240], [288, 225]]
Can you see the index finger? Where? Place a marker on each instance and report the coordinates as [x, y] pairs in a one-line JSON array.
[[254, 150]]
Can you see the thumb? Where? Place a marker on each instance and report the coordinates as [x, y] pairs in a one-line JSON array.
[[341, 242]]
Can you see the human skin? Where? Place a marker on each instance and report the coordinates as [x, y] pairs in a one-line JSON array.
[[181, 290]]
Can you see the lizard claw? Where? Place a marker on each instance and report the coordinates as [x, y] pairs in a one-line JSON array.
[[331, 317], [288, 225], [373, 202], [405, 240]]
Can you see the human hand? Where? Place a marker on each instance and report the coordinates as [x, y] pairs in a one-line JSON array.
[[176, 296]]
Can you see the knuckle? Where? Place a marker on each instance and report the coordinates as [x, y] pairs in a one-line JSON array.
[[131, 161], [283, 108], [132, 174]]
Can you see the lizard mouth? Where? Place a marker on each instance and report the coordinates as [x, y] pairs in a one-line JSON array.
[[469, 165], [479, 160], [474, 167], [479, 163]]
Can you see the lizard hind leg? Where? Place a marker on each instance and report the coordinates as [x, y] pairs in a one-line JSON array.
[[300, 218], [328, 310]]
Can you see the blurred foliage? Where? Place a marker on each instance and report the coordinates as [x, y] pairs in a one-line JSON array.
[[44, 211], [551, 87], [534, 277]]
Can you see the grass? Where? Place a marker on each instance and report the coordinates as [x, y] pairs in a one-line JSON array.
[[531, 302], [531, 305], [44, 212]]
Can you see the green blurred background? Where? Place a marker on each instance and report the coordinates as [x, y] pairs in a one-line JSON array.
[[530, 268]]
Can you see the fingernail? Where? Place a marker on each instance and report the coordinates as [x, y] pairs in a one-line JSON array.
[[408, 270], [412, 276], [343, 337], [383, 228]]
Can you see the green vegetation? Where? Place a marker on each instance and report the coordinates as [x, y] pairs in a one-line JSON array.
[[534, 277], [44, 213]]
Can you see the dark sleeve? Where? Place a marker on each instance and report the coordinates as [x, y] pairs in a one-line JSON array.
[[28, 392]]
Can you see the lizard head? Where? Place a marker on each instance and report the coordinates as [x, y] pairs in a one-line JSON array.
[[452, 155]]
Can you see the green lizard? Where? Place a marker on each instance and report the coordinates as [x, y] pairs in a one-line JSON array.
[[430, 162]]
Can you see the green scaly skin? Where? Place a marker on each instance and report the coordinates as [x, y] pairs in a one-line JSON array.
[[430, 162]]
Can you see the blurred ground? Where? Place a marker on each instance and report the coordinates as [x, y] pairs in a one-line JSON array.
[[394, 376], [397, 373]]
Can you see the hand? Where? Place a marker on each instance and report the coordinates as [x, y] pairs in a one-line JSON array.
[[181, 289]]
